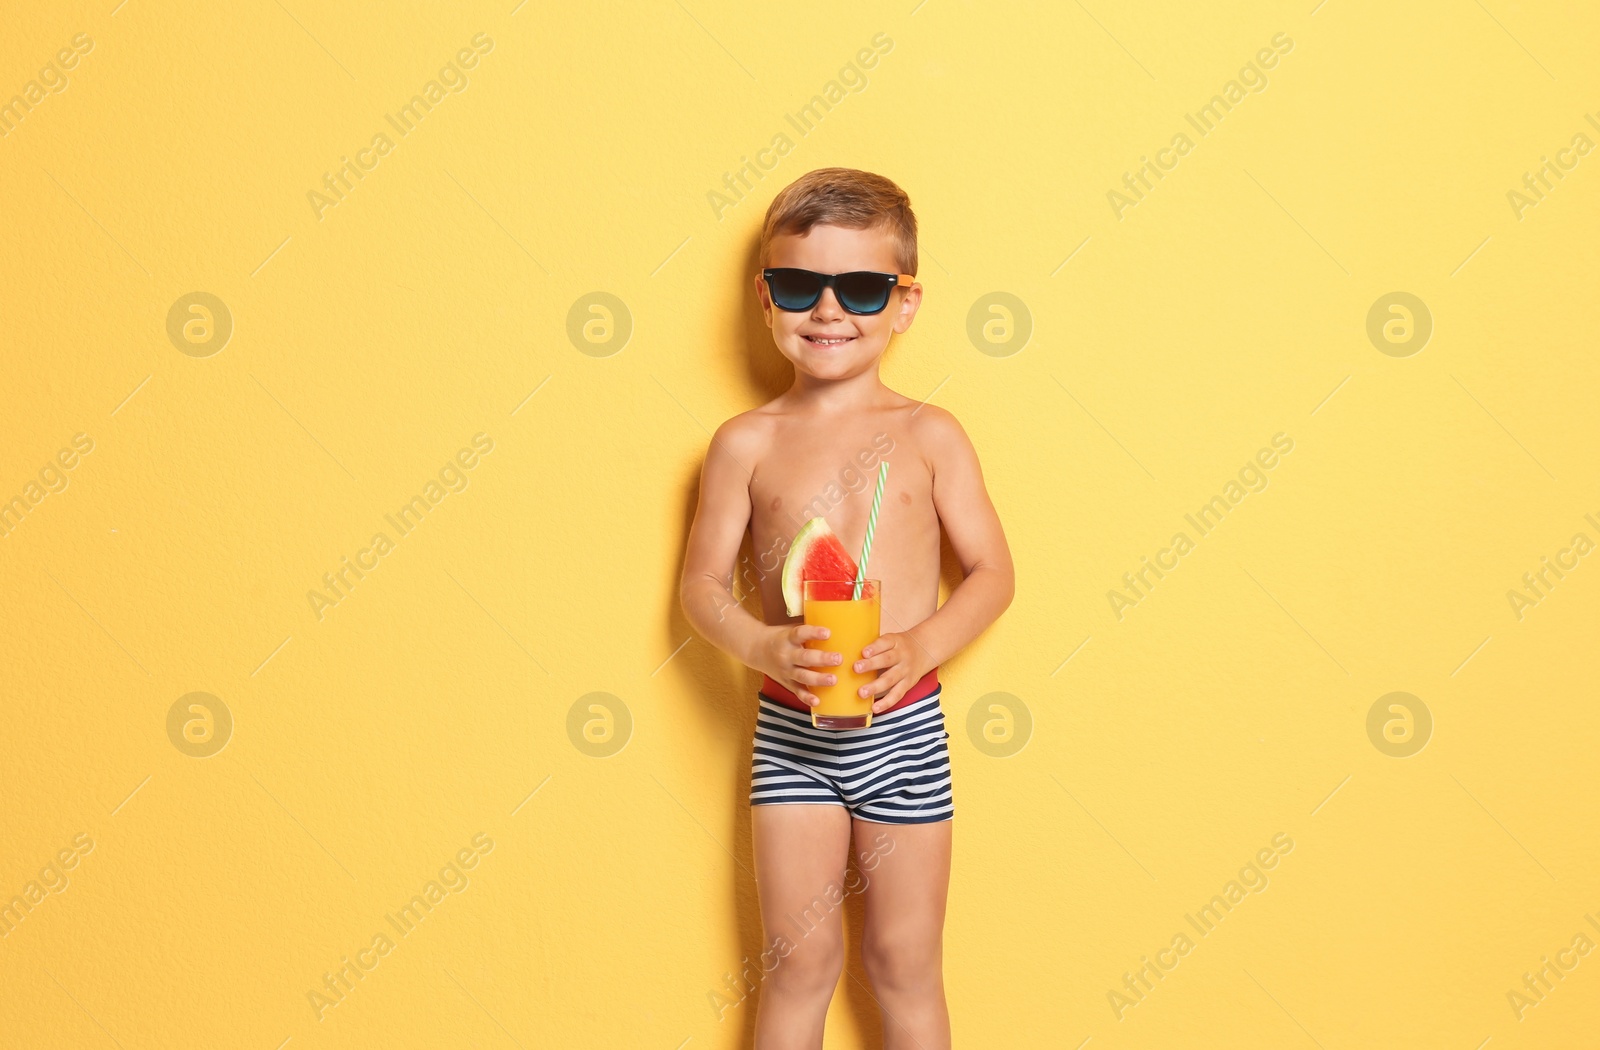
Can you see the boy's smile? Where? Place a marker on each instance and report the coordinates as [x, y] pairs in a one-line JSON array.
[[827, 341]]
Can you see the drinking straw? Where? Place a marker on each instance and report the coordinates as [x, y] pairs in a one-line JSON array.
[[872, 526]]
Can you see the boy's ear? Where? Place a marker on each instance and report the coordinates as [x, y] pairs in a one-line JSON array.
[[908, 308], [766, 303]]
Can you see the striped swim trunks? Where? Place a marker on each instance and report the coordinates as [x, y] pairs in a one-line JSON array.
[[895, 771]]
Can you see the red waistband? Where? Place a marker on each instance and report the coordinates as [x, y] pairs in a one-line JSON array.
[[925, 685]]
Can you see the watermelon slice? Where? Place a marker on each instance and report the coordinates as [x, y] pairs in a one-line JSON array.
[[815, 554]]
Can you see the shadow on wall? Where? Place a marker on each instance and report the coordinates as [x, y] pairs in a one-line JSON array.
[[724, 695]]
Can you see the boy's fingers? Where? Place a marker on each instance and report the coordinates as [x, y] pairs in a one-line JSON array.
[[881, 644], [880, 685], [810, 632], [818, 658], [812, 677], [874, 663], [805, 695], [892, 698]]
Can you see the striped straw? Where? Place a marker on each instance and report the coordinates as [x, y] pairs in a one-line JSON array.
[[872, 526]]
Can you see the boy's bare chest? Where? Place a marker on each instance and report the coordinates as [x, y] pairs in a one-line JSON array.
[[811, 474]]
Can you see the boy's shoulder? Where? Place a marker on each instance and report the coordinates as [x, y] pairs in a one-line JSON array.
[[936, 429], [746, 435], [932, 421], [748, 424], [755, 426]]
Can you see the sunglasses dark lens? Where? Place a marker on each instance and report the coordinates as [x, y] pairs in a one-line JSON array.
[[863, 292], [794, 289]]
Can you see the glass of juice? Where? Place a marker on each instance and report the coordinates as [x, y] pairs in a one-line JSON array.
[[852, 625]]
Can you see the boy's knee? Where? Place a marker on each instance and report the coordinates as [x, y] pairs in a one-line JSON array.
[[902, 964], [812, 968]]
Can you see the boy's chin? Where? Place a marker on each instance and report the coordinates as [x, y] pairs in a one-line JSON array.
[[832, 370], [824, 366]]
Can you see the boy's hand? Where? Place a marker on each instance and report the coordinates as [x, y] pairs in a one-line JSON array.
[[790, 663], [903, 662]]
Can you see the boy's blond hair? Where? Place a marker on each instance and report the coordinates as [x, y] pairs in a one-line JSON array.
[[856, 200]]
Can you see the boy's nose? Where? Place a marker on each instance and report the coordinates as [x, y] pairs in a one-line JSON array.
[[827, 306]]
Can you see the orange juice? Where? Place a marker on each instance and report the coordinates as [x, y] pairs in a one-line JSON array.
[[852, 625]]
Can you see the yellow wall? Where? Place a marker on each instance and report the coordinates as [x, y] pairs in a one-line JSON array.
[[372, 742]]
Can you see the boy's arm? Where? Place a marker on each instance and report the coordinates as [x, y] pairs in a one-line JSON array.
[[969, 520], [705, 591]]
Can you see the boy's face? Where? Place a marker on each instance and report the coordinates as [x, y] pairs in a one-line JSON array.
[[827, 341]]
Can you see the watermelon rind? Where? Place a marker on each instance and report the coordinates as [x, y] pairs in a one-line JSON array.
[[794, 565]]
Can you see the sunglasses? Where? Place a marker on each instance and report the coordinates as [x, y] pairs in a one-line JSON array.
[[859, 292]]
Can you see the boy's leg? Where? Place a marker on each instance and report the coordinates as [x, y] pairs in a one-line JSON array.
[[907, 873], [800, 854]]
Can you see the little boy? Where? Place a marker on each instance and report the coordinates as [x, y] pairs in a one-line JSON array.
[[838, 251]]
